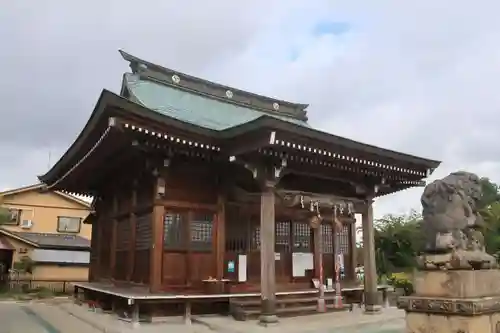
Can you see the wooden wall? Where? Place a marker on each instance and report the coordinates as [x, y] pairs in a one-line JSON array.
[[189, 249], [122, 227], [199, 232]]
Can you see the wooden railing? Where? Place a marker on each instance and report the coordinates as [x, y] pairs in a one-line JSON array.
[[34, 285]]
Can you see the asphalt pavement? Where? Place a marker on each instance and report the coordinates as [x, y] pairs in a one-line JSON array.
[[38, 318]]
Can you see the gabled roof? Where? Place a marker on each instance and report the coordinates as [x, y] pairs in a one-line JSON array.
[[191, 110], [48, 241], [40, 187]]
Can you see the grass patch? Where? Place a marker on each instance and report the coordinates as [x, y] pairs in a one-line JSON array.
[[27, 294]]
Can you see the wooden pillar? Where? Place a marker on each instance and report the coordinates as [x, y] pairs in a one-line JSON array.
[[353, 260], [318, 260], [132, 221], [267, 260], [114, 225], [370, 280], [336, 228], [189, 251], [93, 254], [156, 254], [97, 223], [220, 239], [317, 252]]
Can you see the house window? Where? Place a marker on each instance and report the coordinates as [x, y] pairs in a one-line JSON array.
[[68, 224], [10, 216]]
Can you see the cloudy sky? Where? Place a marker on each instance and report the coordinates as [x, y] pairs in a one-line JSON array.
[[417, 76]]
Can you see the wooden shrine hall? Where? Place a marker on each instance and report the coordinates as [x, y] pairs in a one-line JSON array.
[[203, 191]]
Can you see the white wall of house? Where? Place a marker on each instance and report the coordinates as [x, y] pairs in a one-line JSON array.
[[61, 256]]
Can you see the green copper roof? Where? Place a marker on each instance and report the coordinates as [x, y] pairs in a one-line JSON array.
[[192, 107]]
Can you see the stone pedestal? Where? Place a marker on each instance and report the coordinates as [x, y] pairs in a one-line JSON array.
[[454, 301]]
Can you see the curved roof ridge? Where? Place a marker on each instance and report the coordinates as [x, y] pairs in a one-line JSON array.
[[230, 94]]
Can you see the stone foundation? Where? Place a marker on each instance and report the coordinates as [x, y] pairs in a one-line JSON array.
[[461, 301]]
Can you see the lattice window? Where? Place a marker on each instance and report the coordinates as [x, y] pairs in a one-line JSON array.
[[123, 235], [201, 229], [174, 231], [237, 237], [143, 231], [343, 238], [282, 236], [301, 237], [327, 238]]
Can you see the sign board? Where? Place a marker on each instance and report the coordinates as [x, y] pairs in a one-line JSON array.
[[301, 262], [242, 268], [230, 266]]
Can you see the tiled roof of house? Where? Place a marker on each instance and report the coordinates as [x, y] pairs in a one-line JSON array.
[[46, 240]]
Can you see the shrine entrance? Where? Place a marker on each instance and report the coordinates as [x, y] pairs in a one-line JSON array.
[[294, 248]]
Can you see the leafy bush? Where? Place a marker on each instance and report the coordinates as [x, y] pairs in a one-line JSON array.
[[402, 281], [25, 265]]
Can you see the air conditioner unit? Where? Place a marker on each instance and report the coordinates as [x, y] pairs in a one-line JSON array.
[[26, 224]]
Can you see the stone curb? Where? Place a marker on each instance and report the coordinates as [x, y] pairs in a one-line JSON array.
[[40, 300], [334, 329]]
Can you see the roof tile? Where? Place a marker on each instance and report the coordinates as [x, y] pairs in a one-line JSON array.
[[53, 240]]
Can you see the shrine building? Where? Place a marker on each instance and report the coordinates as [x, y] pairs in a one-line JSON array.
[[204, 193]]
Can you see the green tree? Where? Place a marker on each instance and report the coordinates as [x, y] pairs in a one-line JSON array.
[[4, 215], [398, 238], [490, 195], [491, 229], [489, 208]]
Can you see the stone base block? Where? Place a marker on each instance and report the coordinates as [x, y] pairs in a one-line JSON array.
[[434, 323], [457, 283]]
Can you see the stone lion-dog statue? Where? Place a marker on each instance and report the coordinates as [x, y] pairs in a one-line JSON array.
[[451, 224]]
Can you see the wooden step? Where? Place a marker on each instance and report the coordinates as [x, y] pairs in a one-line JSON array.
[[249, 302], [291, 304], [245, 314]]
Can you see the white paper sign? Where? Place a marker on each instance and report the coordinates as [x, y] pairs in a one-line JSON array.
[[242, 268], [302, 262]]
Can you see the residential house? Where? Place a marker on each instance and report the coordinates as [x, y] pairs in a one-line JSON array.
[[45, 231]]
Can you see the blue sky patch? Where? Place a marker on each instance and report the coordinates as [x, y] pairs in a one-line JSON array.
[[330, 28], [294, 54]]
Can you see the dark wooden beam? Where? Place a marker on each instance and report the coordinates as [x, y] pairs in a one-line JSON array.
[[114, 224], [248, 142], [220, 235], [132, 221], [186, 204], [98, 225]]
